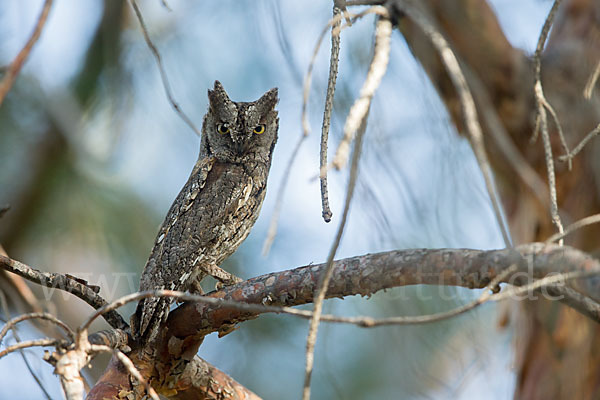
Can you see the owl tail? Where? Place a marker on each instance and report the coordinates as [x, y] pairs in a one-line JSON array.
[[149, 315]]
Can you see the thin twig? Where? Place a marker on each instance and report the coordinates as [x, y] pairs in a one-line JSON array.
[[58, 281], [577, 301], [377, 69], [542, 119], [506, 145], [45, 316], [32, 372], [15, 66], [334, 59], [589, 86], [537, 58], [568, 157], [128, 364], [592, 219], [467, 104], [549, 165], [163, 73], [29, 343], [381, 11]]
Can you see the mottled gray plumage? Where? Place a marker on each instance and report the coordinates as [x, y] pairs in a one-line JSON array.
[[217, 206]]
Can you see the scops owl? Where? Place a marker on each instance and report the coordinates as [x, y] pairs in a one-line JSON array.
[[217, 206]]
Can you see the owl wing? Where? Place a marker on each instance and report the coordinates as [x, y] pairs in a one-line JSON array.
[[202, 227], [158, 273]]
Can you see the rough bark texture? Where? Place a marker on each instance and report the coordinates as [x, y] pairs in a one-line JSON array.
[[557, 346], [171, 360]]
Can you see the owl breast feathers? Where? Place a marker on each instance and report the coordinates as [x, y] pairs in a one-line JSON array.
[[215, 210]]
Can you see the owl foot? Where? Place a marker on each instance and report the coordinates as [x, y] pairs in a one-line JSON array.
[[223, 277]]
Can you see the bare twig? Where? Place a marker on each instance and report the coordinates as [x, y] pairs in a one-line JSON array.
[[572, 298], [45, 316], [381, 11], [34, 375], [326, 275], [549, 165], [568, 157], [377, 69], [514, 157], [467, 104], [333, 71], [537, 58], [589, 86], [15, 66], [592, 219], [62, 282], [29, 343], [542, 119], [163, 73]]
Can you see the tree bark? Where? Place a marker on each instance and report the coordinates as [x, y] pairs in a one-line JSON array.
[[170, 361]]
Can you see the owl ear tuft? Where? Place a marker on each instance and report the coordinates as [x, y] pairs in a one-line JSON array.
[[269, 100], [219, 100]]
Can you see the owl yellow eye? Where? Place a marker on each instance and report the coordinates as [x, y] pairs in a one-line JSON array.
[[222, 129], [259, 130]]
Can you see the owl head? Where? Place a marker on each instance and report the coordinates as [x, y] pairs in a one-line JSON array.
[[240, 131]]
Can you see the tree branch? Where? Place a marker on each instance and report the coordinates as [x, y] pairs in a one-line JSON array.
[[58, 281], [15, 67]]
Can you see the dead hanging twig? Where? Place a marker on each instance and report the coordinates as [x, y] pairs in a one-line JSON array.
[[44, 316], [541, 124], [163, 74], [331, 80], [11, 73]]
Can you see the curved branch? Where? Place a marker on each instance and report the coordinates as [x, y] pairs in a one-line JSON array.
[[58, 281]]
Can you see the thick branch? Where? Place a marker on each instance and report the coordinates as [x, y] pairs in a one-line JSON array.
[[365, 275], [165, 363]]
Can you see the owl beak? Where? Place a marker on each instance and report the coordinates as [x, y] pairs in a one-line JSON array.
[[238, 144]]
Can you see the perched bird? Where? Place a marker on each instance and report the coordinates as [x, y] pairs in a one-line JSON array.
[[215, 210]]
